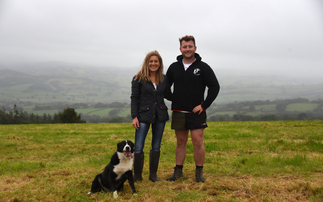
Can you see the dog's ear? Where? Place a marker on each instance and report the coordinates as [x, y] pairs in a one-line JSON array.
[[119, 145], [131, 143]]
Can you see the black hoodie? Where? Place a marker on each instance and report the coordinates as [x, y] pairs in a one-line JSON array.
[[189, 86]]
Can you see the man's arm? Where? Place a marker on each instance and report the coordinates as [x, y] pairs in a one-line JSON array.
[[213, 88]]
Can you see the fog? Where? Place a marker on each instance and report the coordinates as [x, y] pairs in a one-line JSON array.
[[238, 37]]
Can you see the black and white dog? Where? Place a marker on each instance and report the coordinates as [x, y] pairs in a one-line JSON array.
[[117, 171]]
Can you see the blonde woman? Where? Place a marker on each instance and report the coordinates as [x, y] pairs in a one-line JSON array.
[[149, 87]]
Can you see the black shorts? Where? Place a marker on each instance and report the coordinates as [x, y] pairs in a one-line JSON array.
[[188, 121]]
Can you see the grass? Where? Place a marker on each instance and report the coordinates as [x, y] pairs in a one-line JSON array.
[[124, 112], [245, 161], [95, 111], [301, 107], [271, 107]]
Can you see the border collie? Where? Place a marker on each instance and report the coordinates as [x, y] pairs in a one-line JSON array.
[[117, 171]]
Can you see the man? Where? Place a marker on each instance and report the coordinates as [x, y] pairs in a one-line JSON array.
[[190, 77]]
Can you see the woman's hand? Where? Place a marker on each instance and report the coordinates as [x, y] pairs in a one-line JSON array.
[[135, 123]]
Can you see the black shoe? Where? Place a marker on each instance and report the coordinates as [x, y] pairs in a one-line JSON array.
[[199, 175], [178, 172]]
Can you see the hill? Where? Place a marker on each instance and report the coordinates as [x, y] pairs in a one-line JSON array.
[[67, 83], [60, 83]]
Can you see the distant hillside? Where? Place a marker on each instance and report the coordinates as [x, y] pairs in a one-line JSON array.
[[60, 82], [64, 84]]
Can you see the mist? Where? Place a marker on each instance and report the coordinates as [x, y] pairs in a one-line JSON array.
[[241, 38]]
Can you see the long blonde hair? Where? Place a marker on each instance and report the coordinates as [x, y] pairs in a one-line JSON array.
[[143, 74]]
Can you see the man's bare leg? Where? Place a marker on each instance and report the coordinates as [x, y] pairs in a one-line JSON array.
[[199, 150], [199, 153], [182, 137]]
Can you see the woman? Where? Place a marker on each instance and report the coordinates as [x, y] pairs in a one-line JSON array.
[[149, 87]]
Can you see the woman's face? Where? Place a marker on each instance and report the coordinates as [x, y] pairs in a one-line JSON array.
[[153, 63]]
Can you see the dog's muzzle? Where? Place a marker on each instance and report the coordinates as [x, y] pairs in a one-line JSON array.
[[127, 151]]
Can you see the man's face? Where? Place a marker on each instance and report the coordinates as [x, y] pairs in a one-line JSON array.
[[188, 49]]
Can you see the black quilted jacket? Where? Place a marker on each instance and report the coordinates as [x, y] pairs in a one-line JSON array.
[[147, 103]]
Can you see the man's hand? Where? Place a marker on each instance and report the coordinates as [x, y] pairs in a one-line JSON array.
[[198, 109], [135, 123]]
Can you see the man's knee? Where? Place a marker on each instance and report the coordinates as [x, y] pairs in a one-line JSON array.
[[198, 145], [181, 142], [197, 138], [181, 135]]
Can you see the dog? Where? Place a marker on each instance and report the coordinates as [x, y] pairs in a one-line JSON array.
[[117, 171]]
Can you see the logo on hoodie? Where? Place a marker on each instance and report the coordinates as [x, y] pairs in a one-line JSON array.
[[197, 72]]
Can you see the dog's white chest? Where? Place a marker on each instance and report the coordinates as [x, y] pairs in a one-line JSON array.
[[124, 165]]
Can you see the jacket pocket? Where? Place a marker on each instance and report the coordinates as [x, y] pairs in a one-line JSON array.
[[145, 114], [144, 108], [163, 107], [163, 113]]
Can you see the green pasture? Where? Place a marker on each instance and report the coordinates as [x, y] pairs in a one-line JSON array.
[[231, 113], [124, 112], [270, 107], [234, 97], [29, 108], [103, 112], [255, 113], [12, 89], [301, 107], [245, 161], [95, 111]]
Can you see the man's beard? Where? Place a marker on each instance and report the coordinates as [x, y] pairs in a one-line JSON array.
[[188, 57]]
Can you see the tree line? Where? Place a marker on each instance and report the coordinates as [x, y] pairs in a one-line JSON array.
[[69, 115], [242, 109], [239, 112]]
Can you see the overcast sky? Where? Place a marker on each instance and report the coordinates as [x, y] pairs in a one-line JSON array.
[[269, 36]]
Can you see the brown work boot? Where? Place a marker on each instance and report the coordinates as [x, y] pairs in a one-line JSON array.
[[178, 172], [199, 175]]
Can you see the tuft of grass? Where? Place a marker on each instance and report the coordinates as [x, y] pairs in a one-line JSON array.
[[245, 161]]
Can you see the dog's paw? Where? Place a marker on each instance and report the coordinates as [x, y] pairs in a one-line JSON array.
[[115, 194], [134, 194], [89, 194]]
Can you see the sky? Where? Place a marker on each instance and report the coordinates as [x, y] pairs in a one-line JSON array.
[[238, 36]]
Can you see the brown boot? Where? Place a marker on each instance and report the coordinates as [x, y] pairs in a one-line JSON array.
[[178, 172], [138, 166], [153, 166], [199, 175]]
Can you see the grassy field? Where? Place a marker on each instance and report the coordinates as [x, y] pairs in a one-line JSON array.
[[245, 161], [124, 112], [301, 107]]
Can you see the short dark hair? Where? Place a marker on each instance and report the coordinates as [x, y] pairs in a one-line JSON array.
[[187, 38]]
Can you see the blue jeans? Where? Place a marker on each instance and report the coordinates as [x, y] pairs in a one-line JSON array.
[[157, 135]]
